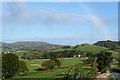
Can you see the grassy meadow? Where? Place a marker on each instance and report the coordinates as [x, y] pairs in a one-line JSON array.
[[37, 71], [86, 48], [35, 65]]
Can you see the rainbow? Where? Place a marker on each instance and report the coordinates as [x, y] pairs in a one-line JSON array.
[[99, 23]]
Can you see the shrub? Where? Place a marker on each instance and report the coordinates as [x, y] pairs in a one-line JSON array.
[[77, 72], [57, 62], [103, 60], [118, 59], [91, 59], [22, 67], [49, 64]]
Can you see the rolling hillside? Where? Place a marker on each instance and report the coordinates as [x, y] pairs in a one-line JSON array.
[[113, 45], [26, 46], [85, 48], [29, 45], [90, 47]]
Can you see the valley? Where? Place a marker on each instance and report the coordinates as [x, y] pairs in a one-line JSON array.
[[34, 54]]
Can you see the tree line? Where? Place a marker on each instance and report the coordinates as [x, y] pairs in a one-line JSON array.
[[57, 54]]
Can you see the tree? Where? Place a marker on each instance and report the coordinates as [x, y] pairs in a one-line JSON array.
[[10, 65], [66, 47], [118, 59], [103, 60], [76, 46], [78, 72], [57, 62], [49, 64], [91, 59], [22, 67], [29, 56]]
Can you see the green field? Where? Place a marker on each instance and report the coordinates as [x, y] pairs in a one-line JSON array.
[[34, 64], [57, 72], [86, 48], [114, 53], [90, 47], [35, 68], [21, 53]]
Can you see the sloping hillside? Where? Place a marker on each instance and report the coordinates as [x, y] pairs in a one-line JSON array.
[[90, 47], [29, 45], [85, 48], [113, 45]]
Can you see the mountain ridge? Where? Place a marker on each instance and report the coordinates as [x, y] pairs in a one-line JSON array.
[[29, 45]]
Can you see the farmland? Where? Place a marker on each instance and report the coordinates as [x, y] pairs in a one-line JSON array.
[[69, 58], [35, 64], [86, 48]]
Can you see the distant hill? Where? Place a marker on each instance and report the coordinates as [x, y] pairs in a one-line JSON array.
[[85, 48], [29, 45], [90, 48], [113, 45], [33, 45]]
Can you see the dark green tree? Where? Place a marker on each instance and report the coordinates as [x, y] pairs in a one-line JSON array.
[[118, 59], [57, 62], [10, 65], [76, 46], [49, 64], [103, 60], [91, 59], [22, 67]]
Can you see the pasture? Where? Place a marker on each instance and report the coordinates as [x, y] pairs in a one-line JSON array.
[[34, 67], [86, 48]]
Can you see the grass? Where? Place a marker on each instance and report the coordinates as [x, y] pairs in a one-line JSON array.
[[71, 61], [114, 54], [46, 74], [21, 53], [32, 62], [55, 73], [66, 62], [90, 47], [86, 48]]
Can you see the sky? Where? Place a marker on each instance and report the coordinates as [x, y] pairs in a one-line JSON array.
[[68, 23]]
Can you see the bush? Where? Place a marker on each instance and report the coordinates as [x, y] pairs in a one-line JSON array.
[[57, 62], [77, 72], [49, 64], [91, 59], [22, 67], [118, 59], [29, 56], [103, 60]]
